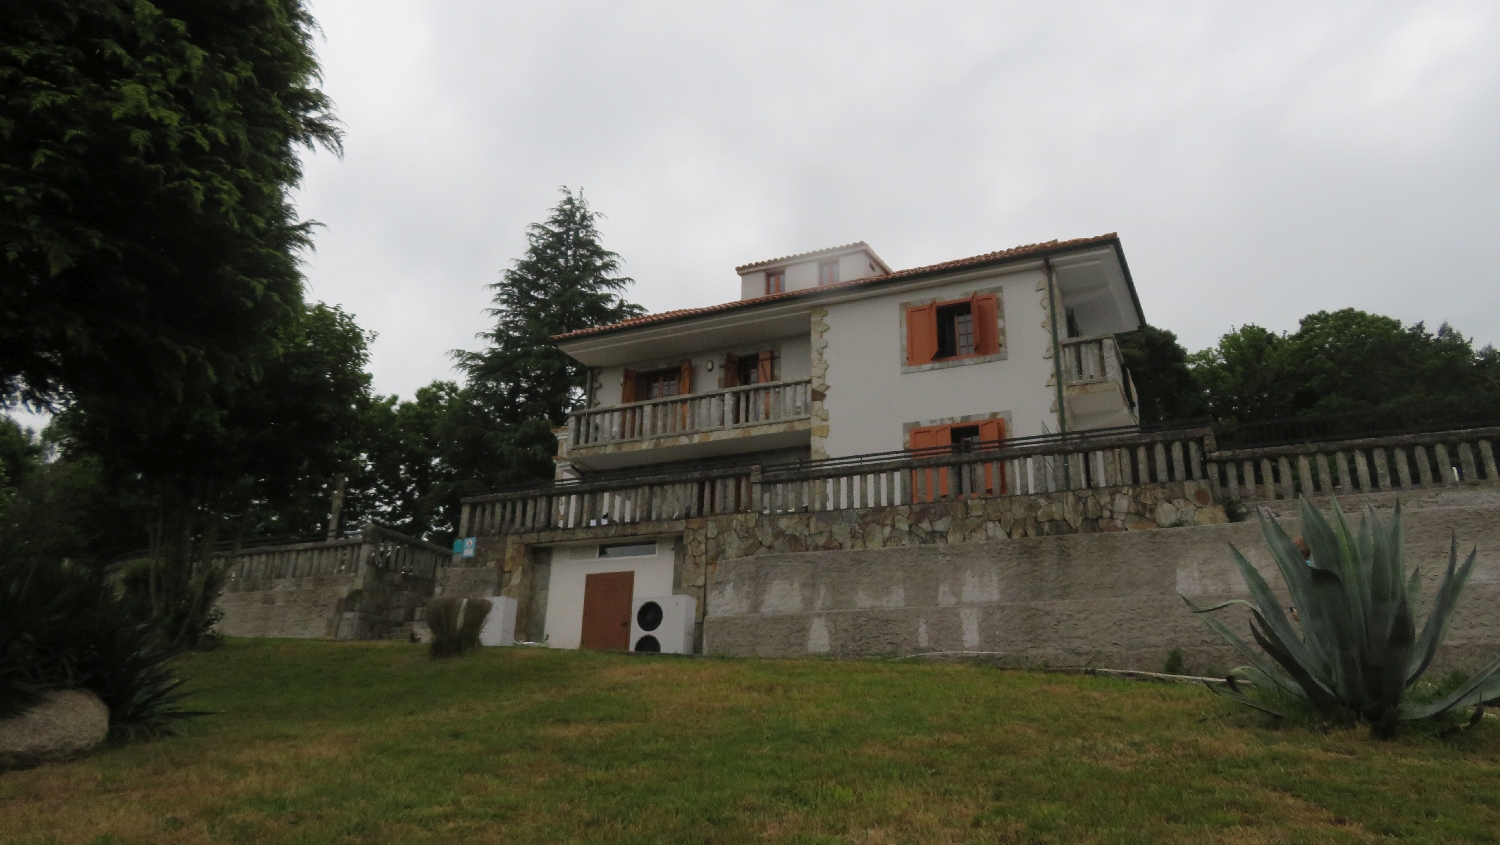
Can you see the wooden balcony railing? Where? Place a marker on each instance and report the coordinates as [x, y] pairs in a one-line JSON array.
[[734, 407]]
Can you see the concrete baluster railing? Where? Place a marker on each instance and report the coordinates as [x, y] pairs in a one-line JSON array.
[[1366, 465]]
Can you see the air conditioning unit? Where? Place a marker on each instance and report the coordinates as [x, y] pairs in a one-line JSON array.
[[663, 625], [500, 626]]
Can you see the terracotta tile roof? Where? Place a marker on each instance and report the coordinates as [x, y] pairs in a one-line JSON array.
[[958, 264], [860, 244]]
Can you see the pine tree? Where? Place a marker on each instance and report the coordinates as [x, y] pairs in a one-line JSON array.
[[566, 281], [521, 386]]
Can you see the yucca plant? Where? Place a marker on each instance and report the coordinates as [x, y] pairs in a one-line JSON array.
[[1351, 643]]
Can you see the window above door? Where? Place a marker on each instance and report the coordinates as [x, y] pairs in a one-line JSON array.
[[751, 368]]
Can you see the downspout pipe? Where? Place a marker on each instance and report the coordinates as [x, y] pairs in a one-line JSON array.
[[1057, 371]]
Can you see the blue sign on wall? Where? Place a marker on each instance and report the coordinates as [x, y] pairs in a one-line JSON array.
[[469, 546]]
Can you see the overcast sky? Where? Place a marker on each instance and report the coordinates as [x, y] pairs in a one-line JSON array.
[[1259, 160]]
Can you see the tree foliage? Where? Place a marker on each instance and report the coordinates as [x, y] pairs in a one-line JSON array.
[[147, 149], [409, 473], [1347, 369], [1158, 367], [520, 386], [263, 461], [149, 264], [566, 281]]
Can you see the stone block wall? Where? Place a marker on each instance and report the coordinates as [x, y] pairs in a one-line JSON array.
[[382, 605], [371, 603], [516, 565], [1111, 509], [1110, 600], [301, 608]]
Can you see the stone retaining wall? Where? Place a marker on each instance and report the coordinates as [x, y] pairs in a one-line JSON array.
[[372, 603], [1078, 600], [965, 521]]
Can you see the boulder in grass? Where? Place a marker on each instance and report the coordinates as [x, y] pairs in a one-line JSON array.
[[64, 725]]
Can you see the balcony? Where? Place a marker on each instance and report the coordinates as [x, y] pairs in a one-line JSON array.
[[758, 417], [1096, 385]]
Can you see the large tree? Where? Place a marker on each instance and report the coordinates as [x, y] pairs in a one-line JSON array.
[[407, 472], [1158, 366], [150, 286], [520, 385], [263, 459], [148, 244], [1347, 372]]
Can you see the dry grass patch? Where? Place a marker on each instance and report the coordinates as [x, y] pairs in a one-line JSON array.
[[371, 742]]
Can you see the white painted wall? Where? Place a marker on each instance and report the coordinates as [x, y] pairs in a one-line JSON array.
[[796, 357], [753, 285], [571, 565], [857, 266], [802, 276], [869, 398]]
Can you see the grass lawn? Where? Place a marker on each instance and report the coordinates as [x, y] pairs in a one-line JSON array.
[[325, 742]]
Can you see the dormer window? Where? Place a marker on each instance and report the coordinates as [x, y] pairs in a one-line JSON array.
[[828, 272], [840, 265]]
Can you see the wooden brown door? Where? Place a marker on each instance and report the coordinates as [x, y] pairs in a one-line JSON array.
[[607, 597]]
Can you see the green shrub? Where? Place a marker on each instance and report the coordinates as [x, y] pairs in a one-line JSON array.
[[1352, 644], [1234, 510], [455, 624], [62, 627], [1174, 663]]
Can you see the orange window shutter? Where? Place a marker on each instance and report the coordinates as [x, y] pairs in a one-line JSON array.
[[991, 431], [766, 365], [731, 371], [930, 484], [921, 334], [628, 387], [986, 310], [685, 381], [931, 437], [991, 434]]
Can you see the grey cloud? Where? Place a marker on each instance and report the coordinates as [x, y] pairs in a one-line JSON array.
[[1259, 160]]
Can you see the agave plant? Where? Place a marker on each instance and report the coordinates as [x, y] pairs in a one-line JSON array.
[[1351, 642]]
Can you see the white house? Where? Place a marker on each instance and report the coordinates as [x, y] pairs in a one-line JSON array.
[[831, 354]]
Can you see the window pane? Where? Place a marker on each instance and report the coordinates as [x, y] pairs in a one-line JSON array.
[[964, 329]]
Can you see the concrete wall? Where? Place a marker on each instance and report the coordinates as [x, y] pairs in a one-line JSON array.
[[570, 567], [1108, 600], [870, 399]]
